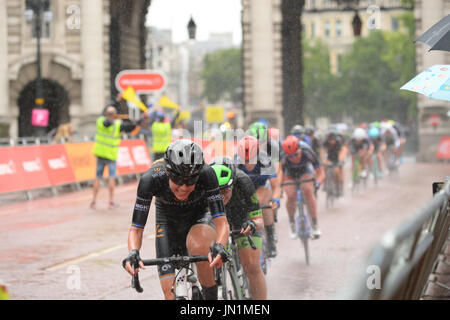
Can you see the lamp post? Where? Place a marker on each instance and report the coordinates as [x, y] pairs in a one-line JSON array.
[[37, 11], [192, 29], [356, 24]]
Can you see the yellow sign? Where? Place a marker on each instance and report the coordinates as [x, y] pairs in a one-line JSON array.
[[184, 115], [130, 95], [214, 114], [167, 103]]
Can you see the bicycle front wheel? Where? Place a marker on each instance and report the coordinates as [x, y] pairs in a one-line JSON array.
[[303, 230], [230, 285]]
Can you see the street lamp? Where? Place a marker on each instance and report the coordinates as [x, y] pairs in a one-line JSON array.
[[192, 29], [38, 11], [356, 24]]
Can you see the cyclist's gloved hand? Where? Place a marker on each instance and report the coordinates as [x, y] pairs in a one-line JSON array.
[[133, 262], [251, 224], [218, 249], [317, 186], [277, 201]]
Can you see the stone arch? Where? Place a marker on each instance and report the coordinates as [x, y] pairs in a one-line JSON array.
[[61, 76]]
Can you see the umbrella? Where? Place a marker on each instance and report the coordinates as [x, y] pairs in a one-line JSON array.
[[433, 82], [438, 36]]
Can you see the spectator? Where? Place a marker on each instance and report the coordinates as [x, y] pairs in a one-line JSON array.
[[106, 149], [161, 134], [64, 133]]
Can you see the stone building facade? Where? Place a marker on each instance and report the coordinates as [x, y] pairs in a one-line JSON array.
[[86, 43]]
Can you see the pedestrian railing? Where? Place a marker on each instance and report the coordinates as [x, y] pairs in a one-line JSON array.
[[400, 265]]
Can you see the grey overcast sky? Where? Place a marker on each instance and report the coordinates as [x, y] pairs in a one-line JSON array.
[[211, 16]]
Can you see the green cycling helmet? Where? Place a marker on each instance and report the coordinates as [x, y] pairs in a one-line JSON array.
[[225, 171], [258, 130]]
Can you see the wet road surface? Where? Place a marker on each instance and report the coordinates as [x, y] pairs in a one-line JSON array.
[[58, 248]]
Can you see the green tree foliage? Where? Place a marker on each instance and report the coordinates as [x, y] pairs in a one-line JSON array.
[[368, 85], [221, 75], [317, 78]]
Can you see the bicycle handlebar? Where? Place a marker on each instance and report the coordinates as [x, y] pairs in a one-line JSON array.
[[249, 238], [178, 260]]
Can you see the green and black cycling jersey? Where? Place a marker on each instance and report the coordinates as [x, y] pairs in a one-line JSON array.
[[244, 204]]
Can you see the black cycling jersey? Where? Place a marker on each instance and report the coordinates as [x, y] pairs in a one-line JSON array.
[[333, 149], [244, 204], [377, 142], [155, 183], [309, 162], [174, 218], [354, 147]]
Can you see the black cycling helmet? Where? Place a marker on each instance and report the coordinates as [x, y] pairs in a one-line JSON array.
[[297, 130], [225, 170], [184, 158]]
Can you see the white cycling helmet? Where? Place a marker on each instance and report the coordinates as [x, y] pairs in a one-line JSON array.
[[359, 134]]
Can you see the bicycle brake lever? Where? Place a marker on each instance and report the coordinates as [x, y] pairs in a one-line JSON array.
[[136, 284], [252, 244], [135, 279]]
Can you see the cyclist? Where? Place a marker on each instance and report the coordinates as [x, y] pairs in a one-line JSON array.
[[257, 164], [300, 162], [299, 131], [334, 151], [360, 146], [243, 213], [315, 142], [185, 188], [378, 148], [272, 147], [391, 138]]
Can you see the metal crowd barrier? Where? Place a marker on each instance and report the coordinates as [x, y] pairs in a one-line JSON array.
[[406, 256]]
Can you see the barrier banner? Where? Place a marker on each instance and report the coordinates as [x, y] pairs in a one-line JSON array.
[[133, 157], [57, 165], [443, 151], [11, 179], [31, 167], [82, 160]]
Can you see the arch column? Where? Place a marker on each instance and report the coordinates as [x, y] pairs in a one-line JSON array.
[[93, 77], [4, 82]]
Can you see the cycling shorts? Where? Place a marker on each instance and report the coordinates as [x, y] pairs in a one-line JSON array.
[[243, 243], [170, 240]]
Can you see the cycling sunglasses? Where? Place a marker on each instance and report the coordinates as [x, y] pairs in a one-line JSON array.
[[180, 180]]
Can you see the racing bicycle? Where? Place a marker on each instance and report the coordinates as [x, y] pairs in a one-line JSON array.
[[303, 224]]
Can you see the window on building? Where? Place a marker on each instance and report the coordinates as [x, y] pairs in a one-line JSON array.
[[327, 28], [394, 23], [46, 18], [338, 28]]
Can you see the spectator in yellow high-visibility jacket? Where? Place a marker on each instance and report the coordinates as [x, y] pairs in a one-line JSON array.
[[106, 149]]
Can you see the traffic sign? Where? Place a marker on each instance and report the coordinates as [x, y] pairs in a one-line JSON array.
[[435, 120], [142, 81]]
